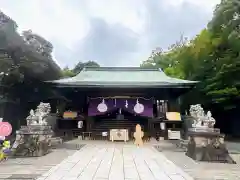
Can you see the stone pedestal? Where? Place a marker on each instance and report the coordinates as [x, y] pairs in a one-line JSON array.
[[187, 124], [207, 145], [32, 141]]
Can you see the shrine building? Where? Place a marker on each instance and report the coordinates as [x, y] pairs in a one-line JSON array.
[[103, 100]]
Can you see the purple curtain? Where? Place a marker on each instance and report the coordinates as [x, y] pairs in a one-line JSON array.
[[94, 103], [139, 106]]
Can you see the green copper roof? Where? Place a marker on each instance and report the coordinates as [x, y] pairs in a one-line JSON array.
[[122, 76]]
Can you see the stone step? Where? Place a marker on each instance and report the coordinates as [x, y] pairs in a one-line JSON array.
[[55, 141]]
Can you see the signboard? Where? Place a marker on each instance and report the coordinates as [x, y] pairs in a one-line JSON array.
[[119, 135], [173, 116], [69, 115], [174, 134]]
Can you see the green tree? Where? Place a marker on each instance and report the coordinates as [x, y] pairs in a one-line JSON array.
[[80, 65], [212, 58], [224, 86], [23, 59], [66, 72]]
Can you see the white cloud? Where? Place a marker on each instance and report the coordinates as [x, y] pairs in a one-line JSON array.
[[125, 12], [204, 4], [68, 23], [51, 19]]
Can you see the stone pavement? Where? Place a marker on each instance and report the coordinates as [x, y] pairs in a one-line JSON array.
[[32, 167], [116, 162]]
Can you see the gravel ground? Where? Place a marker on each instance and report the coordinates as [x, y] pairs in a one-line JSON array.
[[202, 170]]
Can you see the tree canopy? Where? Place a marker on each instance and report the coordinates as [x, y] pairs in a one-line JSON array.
[[26, 61], [212, 58], [66, 72], [29, 51], [23, 58]]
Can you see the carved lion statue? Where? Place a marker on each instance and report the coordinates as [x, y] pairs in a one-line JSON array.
[[200, 118], [38, 117]]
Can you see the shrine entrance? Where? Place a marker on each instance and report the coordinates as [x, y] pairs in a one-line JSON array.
[[119, 121], [119, 116]]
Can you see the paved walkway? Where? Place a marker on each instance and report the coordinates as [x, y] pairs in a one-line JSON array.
[[32, 167], [116, 162]]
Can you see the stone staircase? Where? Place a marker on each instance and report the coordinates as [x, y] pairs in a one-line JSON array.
[[105, 125]]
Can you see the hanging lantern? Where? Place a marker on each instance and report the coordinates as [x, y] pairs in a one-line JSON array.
[[80, 124], [102, 107], [138, 108]]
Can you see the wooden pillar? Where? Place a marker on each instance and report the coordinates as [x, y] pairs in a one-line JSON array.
[[150, 127], [89, 124], [173, 105]]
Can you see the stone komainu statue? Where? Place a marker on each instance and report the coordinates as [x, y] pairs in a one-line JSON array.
[[38, 117], [200, 118], [34, 139]]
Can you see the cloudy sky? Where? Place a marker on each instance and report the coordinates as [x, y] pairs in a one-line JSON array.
[[111, 32]]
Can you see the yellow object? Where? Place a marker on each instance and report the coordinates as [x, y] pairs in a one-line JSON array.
[[69, 115], [6, 145], [138, 135], [173, 116], [2, 156]]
